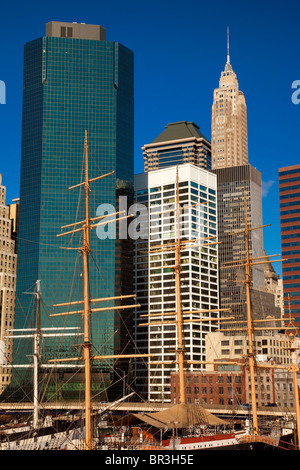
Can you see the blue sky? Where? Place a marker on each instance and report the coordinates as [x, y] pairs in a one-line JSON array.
[[180, 51]]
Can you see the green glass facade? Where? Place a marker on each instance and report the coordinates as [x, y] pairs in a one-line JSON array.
[[72, 85]]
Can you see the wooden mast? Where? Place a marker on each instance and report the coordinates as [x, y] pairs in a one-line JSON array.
[[294, 369], [249, 323], [36, 357], [87, 344], [248, 262], [177, 246], [86, 226], [180, 350]]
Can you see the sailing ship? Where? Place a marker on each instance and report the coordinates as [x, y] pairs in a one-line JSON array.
[[215, 432], [196, 428]]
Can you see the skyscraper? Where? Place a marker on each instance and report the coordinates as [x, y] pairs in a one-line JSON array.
[[180, 142], [74, 80], [8, 270], [232, 184], [289, 196], [229, 134], [155, 284]]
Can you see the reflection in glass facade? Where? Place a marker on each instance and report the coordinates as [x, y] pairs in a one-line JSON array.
[[72, 85]]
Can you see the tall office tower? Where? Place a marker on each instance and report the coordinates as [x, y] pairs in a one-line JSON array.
[[289, 196], [274, 285], [180, 142], [74, 81], [155, 193], [233, 183], [8, 270], [229, 134]]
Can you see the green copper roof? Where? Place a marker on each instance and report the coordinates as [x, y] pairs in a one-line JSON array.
[[179, 130]]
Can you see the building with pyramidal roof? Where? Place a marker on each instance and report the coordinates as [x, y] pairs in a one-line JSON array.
[[180, 142]]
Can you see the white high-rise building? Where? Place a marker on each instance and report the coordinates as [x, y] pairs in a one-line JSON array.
[[155, 327]]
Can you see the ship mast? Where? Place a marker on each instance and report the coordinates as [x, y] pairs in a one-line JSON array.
[[86, 226], [292, 347], [36, 357], [178, 246], [37, 334], [249, 323], [248, 262], [180, 350], [87, 343]]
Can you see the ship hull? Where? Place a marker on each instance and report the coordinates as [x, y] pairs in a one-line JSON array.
[[219, 442]]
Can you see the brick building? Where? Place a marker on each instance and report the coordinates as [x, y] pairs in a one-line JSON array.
[[212, 388]]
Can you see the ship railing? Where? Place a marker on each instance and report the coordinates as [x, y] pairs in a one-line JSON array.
[[128, 442], [249, 438]]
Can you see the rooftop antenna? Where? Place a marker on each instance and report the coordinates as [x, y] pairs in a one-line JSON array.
[[228, 58]]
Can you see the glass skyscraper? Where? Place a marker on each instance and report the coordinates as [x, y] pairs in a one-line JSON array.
[[74, 80]]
